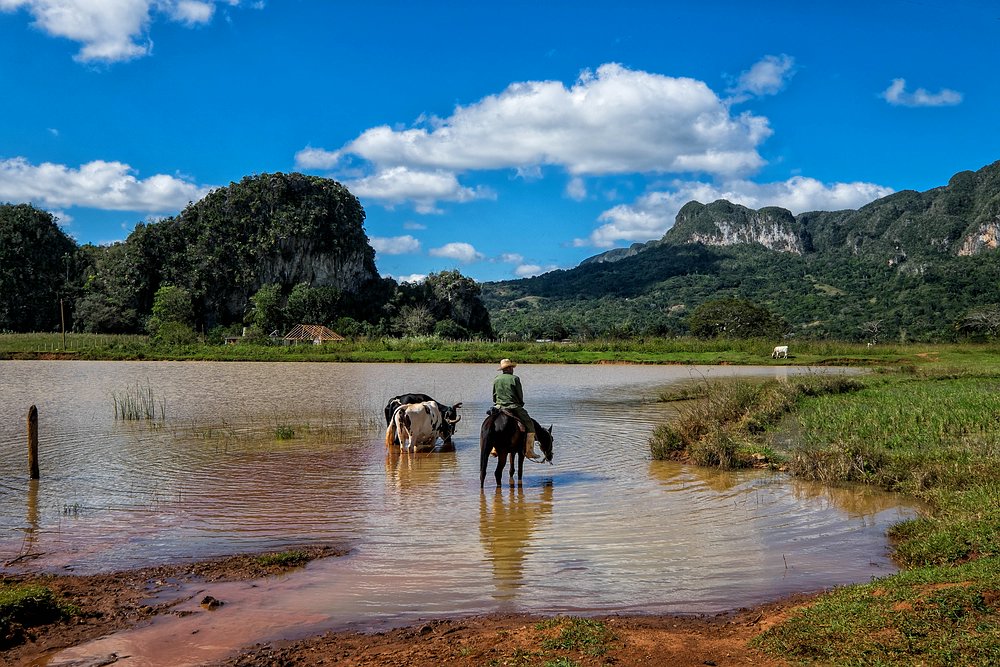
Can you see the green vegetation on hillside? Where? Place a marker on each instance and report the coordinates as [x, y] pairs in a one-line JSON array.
[[35, 260], [820, 296]]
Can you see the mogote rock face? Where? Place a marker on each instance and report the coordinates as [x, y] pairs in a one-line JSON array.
[[983, 239], [723, 223], [766, 231], [297, 260]]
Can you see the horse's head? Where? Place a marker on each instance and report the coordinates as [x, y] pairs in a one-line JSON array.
[[544, 437]]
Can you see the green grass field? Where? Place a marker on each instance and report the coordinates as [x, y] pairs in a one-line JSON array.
[[435, 350]]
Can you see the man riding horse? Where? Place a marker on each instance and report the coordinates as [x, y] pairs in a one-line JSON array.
[[508, 395]]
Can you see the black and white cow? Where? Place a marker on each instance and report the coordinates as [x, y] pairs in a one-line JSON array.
[[415, 426], [449, 414]]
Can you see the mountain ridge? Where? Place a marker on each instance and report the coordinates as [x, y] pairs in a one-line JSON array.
[[962, 217], [912, 262]]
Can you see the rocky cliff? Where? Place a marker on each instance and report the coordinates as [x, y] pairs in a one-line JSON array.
[[723, 223], [959, 219]]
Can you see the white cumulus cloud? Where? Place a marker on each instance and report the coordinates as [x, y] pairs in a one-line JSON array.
[[412, 278], [610, 121], [425, 188], [461, 252], [614, 120], [765, 77], [315, 158], [98, 184], [191, 12], [395, 245], [109, 30], [529, 270], [652, 214], [897, 95]]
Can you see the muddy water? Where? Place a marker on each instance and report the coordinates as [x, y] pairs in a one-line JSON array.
[[262, 456]]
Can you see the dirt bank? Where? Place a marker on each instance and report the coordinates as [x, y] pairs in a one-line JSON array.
[[112, 602], [526, 641]]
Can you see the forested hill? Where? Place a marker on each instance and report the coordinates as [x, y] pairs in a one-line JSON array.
[[268, 252], [912, 265]]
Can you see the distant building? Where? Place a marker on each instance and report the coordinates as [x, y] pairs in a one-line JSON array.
[[317, 334]]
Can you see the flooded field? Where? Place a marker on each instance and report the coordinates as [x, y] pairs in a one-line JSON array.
[[252, 457]]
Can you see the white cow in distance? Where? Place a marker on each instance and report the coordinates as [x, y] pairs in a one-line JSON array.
[[780, 352]]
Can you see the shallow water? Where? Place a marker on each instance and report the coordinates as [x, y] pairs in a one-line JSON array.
[[605, 529]]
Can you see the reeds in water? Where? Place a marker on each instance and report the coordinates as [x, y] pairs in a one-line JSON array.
[[136, 402]]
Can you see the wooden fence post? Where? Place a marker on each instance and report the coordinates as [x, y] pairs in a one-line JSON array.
[[33, 442]]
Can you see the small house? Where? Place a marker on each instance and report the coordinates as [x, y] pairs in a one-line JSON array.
[[317, 334]]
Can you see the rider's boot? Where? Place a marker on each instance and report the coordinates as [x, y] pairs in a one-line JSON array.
[[529, 446]]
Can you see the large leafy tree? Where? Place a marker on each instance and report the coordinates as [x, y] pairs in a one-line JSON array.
[[735, 318], [35, 261], [455, 297], [121, 284], [171, 304], [312, 305], [267, 313]]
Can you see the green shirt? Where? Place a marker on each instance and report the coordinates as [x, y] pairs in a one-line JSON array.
[[507, 391]]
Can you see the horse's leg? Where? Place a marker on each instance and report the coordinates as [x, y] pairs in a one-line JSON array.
[[501, 461], [520, 465], [484, 459], [511, 455]]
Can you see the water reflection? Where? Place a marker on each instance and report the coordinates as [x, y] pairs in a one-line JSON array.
[[672, 474], [506, 528], [418, 473], [854, 500]]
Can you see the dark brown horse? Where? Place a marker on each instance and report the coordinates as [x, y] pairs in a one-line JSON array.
[[505, 434]]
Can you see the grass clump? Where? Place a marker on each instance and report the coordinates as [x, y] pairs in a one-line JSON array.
[[136, 402], [911, 435], [26, 606], [591, 637], [283, 559], [721, 429]]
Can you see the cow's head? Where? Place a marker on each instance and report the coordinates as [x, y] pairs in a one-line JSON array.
[[449, 418]]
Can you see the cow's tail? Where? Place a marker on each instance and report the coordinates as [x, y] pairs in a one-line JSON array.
[[390, 433]]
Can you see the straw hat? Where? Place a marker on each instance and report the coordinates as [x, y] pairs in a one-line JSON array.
[[506, 363]]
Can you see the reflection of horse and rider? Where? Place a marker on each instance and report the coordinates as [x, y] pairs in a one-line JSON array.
[[506, 532]]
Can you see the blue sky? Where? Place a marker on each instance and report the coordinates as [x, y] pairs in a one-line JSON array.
[[504, 139]]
